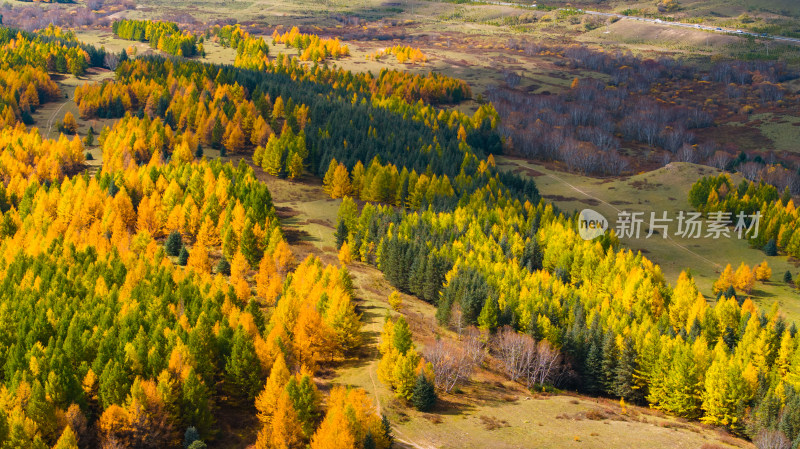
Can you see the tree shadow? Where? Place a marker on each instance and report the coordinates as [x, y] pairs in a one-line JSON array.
[[761, 294], [294, 236]]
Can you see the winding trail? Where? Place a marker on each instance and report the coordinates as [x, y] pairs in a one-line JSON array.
[[55, 114]]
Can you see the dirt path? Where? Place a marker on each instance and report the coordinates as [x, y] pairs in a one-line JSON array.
[[55, 114], [308, 218]]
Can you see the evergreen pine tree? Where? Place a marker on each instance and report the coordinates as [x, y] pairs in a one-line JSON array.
[[592, 368], [609, 363], [114, 384], [387, 429], [196, 406], [341, 233], [786, 196], [258, 316], [730, 292], [416, 275], [223, 266], [243, 368], [787, 277], [306, 401], [89, 139], [771, 248], [173, 244], [216, 135], [532, 255], [369, 441], [183, 256], [190, 436], [230, 243], [624, 372], [424, 396]]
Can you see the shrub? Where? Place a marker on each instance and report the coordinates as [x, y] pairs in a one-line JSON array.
[[395, 301]]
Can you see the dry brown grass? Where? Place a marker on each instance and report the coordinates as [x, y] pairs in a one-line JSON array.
[[492, 423], [436, 419]]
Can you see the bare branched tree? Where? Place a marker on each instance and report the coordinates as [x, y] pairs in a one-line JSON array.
[[772, 439], [454, 363], [524, 360]]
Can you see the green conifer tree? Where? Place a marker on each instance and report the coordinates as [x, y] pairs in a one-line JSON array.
[[183, 256], [424, 396], [243, 370], [173, 244], [402, 336]]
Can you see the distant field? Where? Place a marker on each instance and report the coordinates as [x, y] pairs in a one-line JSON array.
[[665, 189], [718, 8]]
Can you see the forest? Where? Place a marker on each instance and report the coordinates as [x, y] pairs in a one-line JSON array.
[[164, 36], [778, 214], [588, 125], [143, 302]]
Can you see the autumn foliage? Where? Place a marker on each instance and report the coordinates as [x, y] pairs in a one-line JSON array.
[[311, 46]]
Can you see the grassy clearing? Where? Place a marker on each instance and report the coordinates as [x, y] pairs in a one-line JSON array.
[[648, 37], [665, 189], [783, 130], [47, 116], [217, 54], [491, 409], [107, 39]]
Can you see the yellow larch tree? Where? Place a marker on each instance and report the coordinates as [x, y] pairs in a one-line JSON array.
[[763, 272], [239, 270], [199, 260], [286, 431], [267, 400], [268, 281], [313, 339], [345, 255], [745, 279], [726, 279]]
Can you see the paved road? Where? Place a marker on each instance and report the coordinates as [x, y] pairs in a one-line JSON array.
[[712, 29], [694, 26]]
